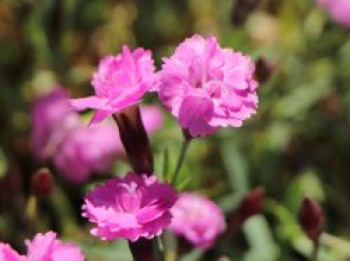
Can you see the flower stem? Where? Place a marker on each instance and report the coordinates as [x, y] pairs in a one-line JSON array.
[[315, 250], [180, 161], [135, 139]]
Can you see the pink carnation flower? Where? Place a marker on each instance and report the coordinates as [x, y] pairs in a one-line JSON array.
[[46, 247], [120, 81], [87, 150], [197, 219], [51, 120], [129, 208], [94, 149], [338, 9], [206, 86], [76, 150], [8, 254]]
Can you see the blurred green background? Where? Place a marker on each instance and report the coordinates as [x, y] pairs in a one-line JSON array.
[[298, 143]]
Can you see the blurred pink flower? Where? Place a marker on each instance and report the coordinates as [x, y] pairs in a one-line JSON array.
[[94, 149], [8, 254], [77, 150], [51, 120], [338, 9], [120, 81], [206, 86], [129, 208], [152, 118], [88, 150], [46, 247], [197, 219], [43, 247]]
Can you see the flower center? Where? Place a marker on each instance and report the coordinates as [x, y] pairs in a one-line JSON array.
[[129, 198]]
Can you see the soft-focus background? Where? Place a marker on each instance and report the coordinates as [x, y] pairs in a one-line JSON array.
[[298, 143]]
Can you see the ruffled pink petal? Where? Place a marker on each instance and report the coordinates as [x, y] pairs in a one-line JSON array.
[[8, 254], [92, 102], [46, 247], [99, 116], [194, 115]]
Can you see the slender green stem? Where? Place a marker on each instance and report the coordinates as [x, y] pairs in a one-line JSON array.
[[157, 251], [180, 161], [315, 250]]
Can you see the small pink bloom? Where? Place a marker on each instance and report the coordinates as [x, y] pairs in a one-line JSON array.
[[206, 86], [129, 208], [93, 149], [197, 219], [152, 118], [338, 9], [8, 254], [120, 81], [51, 120], [88, 150], [46, 247]]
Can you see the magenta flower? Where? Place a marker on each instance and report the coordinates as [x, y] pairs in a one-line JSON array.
[[129, 208], [338, 9], [197, 219], [46, 247], [51, 120], [8, 254], [206, 86], [88, 150], [120, 81], [93, 149]]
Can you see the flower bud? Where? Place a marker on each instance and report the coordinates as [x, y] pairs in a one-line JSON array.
[[250, 206], [263, 70], [135, 140], [252, 203], [311, 218], [42, 182]]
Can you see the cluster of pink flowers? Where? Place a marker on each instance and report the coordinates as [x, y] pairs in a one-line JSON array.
[[338, 9], [59, 134], [203, 85], [43, 247], [197, 219]]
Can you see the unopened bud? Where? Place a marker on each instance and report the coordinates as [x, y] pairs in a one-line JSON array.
[[263, 70], [250, 206], [135, 140], [42, 182], [311, 218], [252, 203]]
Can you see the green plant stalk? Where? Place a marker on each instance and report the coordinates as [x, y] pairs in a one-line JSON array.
[[184, 147]]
